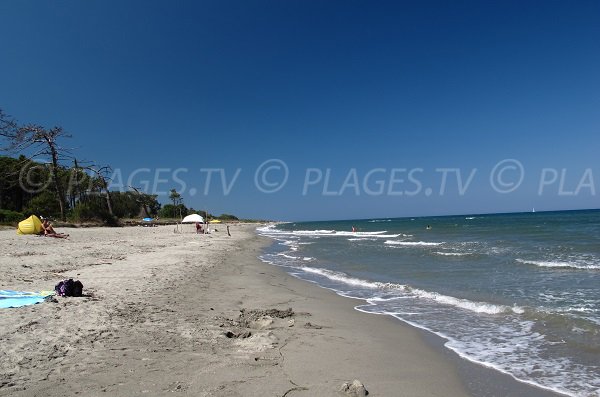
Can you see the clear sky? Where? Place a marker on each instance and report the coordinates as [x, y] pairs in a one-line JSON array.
[[371, 108]]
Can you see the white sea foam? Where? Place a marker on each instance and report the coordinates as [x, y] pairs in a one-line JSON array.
[[265, 229], [290, 243], [411, 243], [378, 299], [522, 344], [513, 348], [274, 233], [357, 282], [452, 253], [287, 256], [580, 309], [380, 234], [559, 264], [379, 220], [478, 307], [313, 232]]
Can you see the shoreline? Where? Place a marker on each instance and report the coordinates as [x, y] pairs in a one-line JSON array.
[[478, 379], [160, 306]]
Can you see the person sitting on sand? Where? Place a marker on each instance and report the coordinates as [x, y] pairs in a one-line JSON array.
[[199, 228], [48, 230]]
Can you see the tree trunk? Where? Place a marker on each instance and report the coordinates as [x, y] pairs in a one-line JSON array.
[[108, 201], [58, 186], [75, 192]]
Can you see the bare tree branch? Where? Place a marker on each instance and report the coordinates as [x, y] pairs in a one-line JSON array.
[[102, 173], [43, 142]]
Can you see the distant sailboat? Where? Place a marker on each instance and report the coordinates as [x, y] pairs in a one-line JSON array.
[[533, 210]]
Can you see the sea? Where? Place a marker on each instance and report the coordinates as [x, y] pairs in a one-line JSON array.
[[518, 292]]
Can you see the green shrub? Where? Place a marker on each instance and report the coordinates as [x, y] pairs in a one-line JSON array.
[[8, 216], [227, 217], [91, 211], [171, 211], [44, 204]]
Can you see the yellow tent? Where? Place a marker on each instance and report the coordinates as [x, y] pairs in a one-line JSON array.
[[31, 225], [215, 221]]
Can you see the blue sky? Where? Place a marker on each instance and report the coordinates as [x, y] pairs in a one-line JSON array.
[[371, 91]]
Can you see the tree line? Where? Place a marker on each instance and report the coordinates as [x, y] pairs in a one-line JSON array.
[[64, 187]]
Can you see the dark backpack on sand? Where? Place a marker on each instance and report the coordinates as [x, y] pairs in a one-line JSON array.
[[69, 288]]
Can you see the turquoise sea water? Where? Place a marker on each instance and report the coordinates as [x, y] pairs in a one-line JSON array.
[[516, 292]]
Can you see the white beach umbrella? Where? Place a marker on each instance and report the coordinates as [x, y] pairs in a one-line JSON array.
[[193, 219]]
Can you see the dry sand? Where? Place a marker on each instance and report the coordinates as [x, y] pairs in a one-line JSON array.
[[160, 309]]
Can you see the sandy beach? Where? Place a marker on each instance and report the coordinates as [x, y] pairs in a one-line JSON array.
[[201, 315]]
